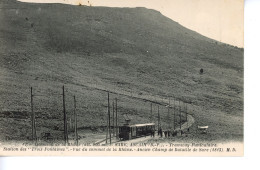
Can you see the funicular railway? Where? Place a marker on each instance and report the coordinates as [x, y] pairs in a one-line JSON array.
[[128, 132]]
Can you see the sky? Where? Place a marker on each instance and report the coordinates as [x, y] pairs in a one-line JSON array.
[[222, 20]]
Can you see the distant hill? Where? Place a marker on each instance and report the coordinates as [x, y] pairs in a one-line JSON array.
[[130, 51]]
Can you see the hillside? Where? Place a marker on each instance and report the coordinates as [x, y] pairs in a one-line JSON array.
[[132, 52]]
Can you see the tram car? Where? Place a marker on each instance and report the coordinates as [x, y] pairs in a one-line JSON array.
[[128, 132]]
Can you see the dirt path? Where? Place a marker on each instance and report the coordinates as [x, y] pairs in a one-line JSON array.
[[187, 124]]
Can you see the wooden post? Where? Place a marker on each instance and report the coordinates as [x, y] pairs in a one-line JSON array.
[[186, 109], [174, 115], [107, 131], [109, 125], [168, 116], [33, 118], [70, 124], [151, 116], [116, 121], [75, 122], [159, 121], [107, 116], [113, 120], [187, 117], [64, 117], [180, 113], [32, 115]]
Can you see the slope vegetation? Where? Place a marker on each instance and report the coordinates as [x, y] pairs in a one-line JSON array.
[[136, 53]]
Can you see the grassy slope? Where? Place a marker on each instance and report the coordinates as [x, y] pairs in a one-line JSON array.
[[136, 52]]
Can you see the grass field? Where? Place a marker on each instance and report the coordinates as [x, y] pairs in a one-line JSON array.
[[136, 53]]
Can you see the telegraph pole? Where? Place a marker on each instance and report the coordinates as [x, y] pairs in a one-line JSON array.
[[159, 121], [109, 125], [107, 116], [113, 120], [116, 121], [33, 118], [168, 115], [180, 113], [186, 109], [64, 117], [174, 115], [188, 129], [151, 116], [32, 115], [75, 122]]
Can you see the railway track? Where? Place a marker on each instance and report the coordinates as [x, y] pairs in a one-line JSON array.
[[103, 141], [185, 125]]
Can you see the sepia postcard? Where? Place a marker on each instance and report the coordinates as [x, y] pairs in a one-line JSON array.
[[121, 78]]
